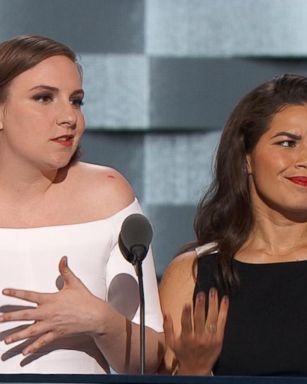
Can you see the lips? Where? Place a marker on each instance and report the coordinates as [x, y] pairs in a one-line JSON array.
[[65, 140], [300, 180]]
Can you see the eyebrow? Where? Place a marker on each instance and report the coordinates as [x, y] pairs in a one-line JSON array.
[[288, 134], [54, 89]]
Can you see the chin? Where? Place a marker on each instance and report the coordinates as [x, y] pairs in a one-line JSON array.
[[294, 208], [58, 163], [60, 159], [297, 213]]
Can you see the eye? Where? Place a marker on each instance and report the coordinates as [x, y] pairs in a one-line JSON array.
[[43, 97], [77, 102], [287, 143]]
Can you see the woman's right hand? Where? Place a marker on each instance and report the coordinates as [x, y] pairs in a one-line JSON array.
[[198, 346], [73, 310]]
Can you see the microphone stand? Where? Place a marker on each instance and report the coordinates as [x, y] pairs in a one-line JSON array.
[[139, 272], [139, 253]]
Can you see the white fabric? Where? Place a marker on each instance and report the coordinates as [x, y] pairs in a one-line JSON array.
[[30, 260], [206, 248]]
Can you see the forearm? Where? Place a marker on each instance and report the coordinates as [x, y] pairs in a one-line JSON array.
[[120, 345]]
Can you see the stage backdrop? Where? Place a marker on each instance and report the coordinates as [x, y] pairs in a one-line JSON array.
[[161, 76]]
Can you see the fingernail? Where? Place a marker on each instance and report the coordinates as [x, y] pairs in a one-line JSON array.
[[212, 292], [201, 296], [226, 299]]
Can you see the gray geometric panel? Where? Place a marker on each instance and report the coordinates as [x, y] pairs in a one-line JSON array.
[[221, 28], [116, 90], [172, 228], [177, 167], [200, 93], [87, 26], [122, 151]]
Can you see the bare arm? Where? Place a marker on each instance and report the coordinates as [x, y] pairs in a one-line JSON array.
[[56, 316], [75, 310], [120, 345], [176, 291], [193, 338]]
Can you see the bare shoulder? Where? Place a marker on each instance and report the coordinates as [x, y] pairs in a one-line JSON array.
[[178, 282], [104, 188], [181, 269], [176, 290]]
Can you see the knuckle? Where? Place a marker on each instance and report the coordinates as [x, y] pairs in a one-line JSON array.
[[7, 317], [26, 315], [9, 340], [32, 332], [41, 343]]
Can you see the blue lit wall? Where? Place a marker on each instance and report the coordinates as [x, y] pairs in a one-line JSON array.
[[161, 77]]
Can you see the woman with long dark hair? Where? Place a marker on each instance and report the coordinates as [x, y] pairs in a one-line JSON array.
[[234, 301]]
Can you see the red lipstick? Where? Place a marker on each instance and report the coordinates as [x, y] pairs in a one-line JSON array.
[[300, 180], [65, 140]]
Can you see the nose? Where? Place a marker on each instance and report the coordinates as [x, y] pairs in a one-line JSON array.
[[67, 116], [301, 161]]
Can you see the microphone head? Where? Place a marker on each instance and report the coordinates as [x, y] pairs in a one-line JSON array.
[[135, 237]]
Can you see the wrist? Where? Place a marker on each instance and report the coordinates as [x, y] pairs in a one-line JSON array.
[[193, 371], [107, 320], [99, 316]]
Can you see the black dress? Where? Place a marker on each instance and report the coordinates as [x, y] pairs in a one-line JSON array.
[[266, 330]]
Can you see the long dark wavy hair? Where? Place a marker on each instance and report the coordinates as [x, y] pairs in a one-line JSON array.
[[23, 52], [225, 214]]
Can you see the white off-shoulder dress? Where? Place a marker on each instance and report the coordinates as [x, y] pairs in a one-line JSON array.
[[29, 260]]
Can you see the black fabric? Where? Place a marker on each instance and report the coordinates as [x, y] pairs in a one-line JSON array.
[[266, 330]]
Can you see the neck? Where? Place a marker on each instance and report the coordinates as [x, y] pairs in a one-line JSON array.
[[23, 181], [275, 237]]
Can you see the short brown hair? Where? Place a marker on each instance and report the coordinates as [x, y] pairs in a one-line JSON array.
[[21, 53]]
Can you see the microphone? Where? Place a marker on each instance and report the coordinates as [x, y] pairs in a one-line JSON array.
[[134, 240], [135, 237]]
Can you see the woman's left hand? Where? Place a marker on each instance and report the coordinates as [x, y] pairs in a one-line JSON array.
[[72, 310], [200, 341]]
